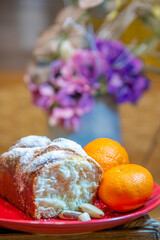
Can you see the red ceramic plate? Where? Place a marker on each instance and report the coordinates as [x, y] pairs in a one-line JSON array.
[[13, 218]]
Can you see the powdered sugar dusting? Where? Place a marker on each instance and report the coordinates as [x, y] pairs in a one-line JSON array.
[[64, 143], [22, 155], [14, 153], [47, 158], [24, 152], [55, 165], [32, 141], [30, 152]]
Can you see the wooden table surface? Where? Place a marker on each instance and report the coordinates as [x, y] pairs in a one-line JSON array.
[[18, 118]]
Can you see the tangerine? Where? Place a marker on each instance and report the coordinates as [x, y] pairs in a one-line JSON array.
[[107, 152], [126, 187]]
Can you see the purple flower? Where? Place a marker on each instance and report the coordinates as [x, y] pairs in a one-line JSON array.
[[56, 77], [43, 95], [124, 74], [71, 88], [74, 100], [71, 85], [88, 64], [73, 91], [119, 57], [127, 89]]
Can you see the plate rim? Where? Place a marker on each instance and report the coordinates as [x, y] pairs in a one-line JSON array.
[[133, 214]]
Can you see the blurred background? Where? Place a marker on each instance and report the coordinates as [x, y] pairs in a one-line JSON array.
[[21, 21]]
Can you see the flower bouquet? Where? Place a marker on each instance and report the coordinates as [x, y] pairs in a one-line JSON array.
[[73, 66]]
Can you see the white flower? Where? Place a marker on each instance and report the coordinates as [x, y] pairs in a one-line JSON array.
[[66, 50], [85, 4]]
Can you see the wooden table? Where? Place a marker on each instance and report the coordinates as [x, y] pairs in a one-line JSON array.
[[106, 234], [140, 123]]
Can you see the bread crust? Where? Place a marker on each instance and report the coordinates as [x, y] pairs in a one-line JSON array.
[[22, 164]]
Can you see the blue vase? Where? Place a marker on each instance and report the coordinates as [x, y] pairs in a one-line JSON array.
[[102, 122]]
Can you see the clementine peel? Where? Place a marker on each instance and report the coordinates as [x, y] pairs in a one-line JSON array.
[[107, 152], [126, 187]]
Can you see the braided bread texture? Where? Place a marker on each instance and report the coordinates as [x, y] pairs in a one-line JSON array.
[[43, 177]]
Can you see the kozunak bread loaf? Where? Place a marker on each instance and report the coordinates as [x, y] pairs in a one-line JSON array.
[[43, 177]]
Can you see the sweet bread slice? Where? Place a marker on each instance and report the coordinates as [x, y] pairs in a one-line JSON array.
[[43, 178]]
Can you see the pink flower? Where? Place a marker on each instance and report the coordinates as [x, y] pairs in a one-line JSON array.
[[43, 96], [74, 100], [56, 77], [89, 64]]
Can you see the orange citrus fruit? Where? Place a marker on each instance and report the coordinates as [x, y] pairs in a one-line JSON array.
[[107, 152], [126, 187]]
